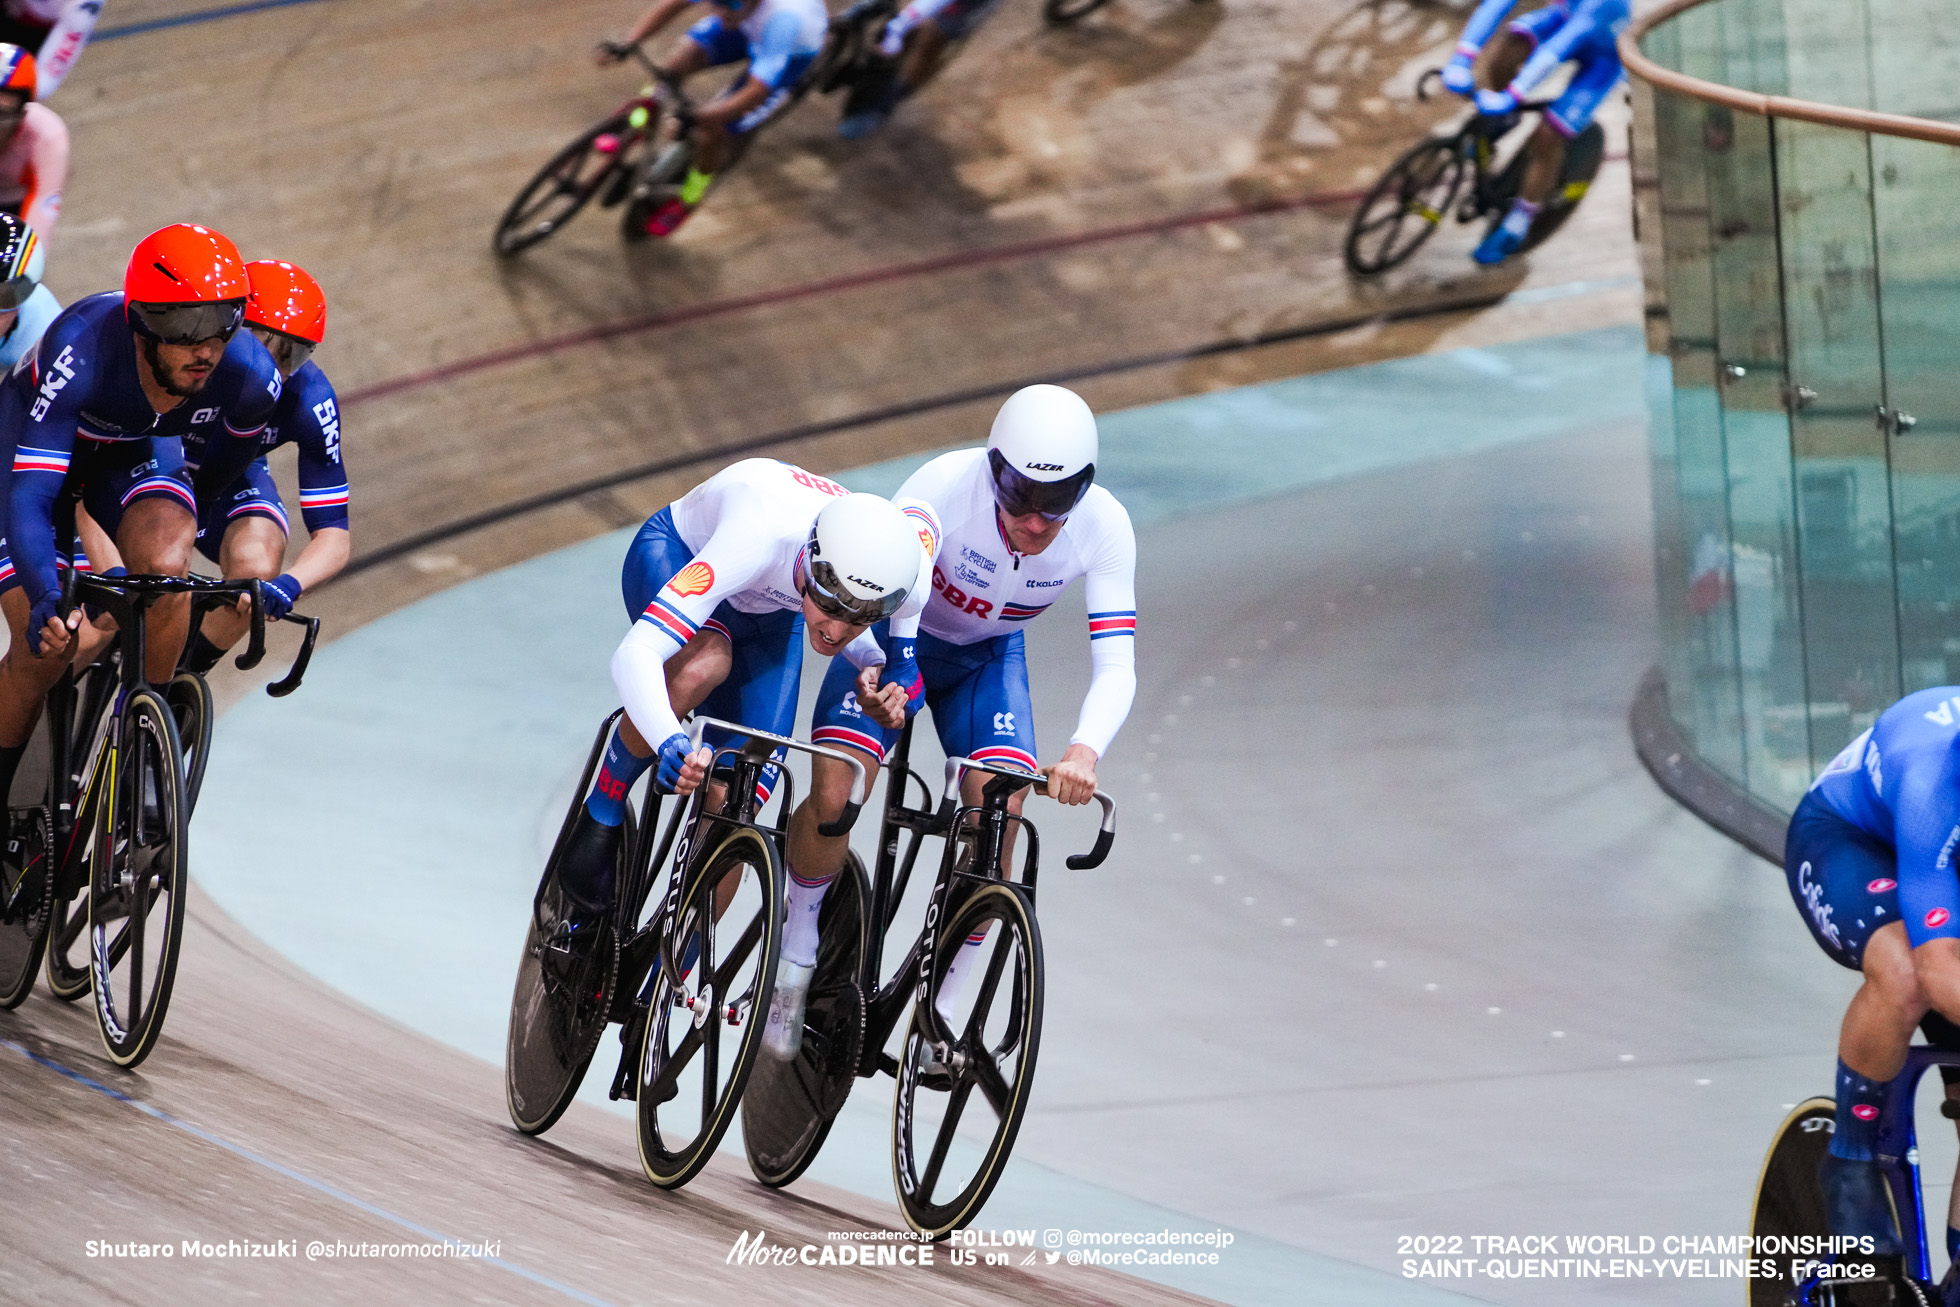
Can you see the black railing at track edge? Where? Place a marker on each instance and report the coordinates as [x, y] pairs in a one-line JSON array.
[[1692, 783], [892, 412]]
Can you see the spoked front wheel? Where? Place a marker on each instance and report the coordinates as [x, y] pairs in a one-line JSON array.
[[562, 187], [26, 873], [136, 891], [958, 1108], [706, 1027], [1404, 207]]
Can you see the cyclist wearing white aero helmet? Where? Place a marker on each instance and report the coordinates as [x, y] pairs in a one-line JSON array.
[[1021, 519], [720, 586]]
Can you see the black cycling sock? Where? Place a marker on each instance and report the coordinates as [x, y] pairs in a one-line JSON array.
[[9, 764], [202, 655]]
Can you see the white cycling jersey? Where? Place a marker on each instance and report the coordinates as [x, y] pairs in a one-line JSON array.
[[982, 589], [746, 527], [68, 24]]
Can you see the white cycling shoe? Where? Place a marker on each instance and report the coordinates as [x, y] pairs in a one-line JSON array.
[[783, 1035]]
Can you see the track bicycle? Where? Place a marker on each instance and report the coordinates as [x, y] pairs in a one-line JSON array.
[[691, 986], [1790, 1204], [1063, 12], [1422, 187], [95, 867], [622, 160], [944, 1164]]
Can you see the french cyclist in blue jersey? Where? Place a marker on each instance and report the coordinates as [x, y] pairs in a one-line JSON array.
[[778, 39], [26, 306], [244, 526], [1522, 56], [1870, 861], [83, 415]]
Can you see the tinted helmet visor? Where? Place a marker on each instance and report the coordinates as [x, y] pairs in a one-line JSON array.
[[821, 583], [15, 291], [289, 352], [1018, 495], [186, 324]]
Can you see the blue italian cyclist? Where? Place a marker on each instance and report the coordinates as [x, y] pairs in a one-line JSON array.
[[1870, 861], [779, 39], [1019, 521], [1523, 56]]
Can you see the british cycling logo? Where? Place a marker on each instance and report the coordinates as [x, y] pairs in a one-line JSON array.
[[1820, 911], [978, 559], [697, 578]]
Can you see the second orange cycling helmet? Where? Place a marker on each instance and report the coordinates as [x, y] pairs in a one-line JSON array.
[[287, 311]]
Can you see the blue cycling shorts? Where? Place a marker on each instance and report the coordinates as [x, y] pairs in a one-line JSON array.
[[1844, 881], [1598, 72], [960, 18], [252, 495], [110, 475], [978, 694], [729, 45], [763, 681]]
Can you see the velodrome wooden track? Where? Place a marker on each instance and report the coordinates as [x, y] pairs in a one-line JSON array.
[[1139, 204]]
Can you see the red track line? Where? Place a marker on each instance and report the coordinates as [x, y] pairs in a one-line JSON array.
[[854, 281]]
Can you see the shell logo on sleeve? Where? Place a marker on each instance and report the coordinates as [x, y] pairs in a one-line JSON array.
[[697, 578]]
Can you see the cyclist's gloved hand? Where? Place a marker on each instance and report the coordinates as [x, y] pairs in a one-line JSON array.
[[1457, 76], [612, 52], [673, 756], [280, 595], [903, 669], [90, 611], [45, 609], [1496, 104]]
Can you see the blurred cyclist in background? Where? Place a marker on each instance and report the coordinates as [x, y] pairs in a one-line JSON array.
[[26, 306], [53, 31], [913, 42], [243, 528], [1528, 51], [33, 146], [779, 39]]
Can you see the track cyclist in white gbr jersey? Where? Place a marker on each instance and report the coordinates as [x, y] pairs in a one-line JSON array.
[[720, 586], [1021, 519]]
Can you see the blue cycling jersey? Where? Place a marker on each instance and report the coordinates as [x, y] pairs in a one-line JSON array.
[[41, 309], [80, 383], [1899, 783], [1586, 30], [307, 417]]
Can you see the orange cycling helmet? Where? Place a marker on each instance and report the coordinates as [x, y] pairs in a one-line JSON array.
[[17, 71], [184, 284], [287, 311]]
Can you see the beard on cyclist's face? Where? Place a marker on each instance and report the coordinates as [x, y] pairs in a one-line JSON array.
[[182, 370]]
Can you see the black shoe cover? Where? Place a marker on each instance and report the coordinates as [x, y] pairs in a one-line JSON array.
[[1856, 1203], [591, 857]]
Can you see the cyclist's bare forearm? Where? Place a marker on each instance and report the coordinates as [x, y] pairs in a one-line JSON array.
[[327, 551]]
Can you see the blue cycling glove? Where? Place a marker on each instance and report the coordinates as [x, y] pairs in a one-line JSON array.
[[903, 669], [674, 751], [47, 606], [1457, 75], [92, 611], [280, 595], [1496, 104]]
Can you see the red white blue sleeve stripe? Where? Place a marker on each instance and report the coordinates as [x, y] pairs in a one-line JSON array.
[[158, 487], [41, 460], [324, 497], [670, 620], [1103, 625], [927, 522], [1021, 612]]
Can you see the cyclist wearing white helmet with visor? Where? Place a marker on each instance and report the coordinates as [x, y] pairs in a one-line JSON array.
[[1020, 520], [721, 587], [26, 306]]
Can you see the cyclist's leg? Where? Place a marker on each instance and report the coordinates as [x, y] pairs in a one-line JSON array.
[[1845, 884], [1598, 73], [138, 494], [247, 528]]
